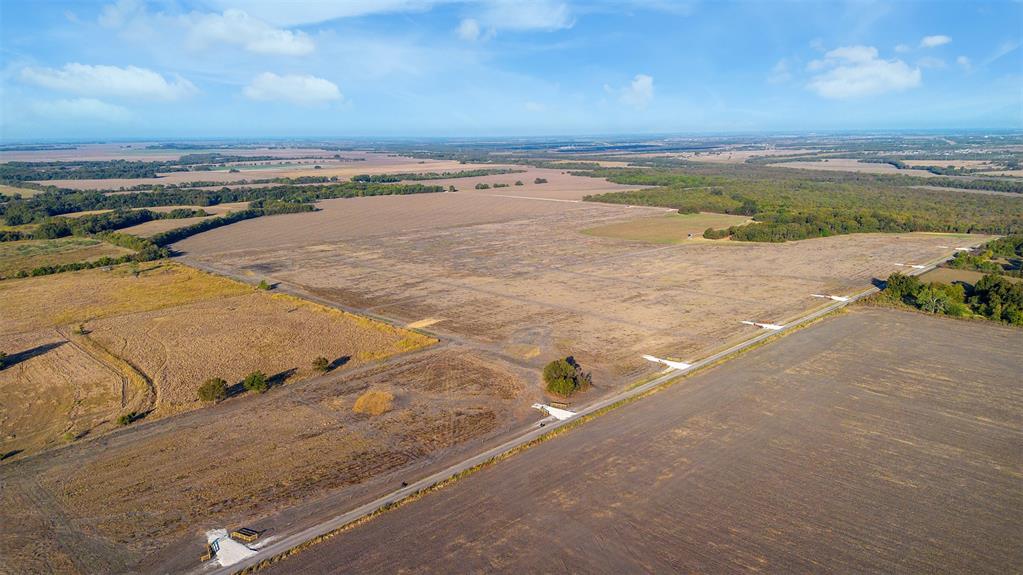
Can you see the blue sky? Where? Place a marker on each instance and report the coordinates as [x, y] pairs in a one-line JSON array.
[[259, 68]]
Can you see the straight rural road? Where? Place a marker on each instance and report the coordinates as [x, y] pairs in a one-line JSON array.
[[289, 542]]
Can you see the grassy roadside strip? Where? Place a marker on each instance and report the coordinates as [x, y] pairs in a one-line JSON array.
[[568, 426]]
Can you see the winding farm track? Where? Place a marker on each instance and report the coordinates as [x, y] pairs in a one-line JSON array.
[[287, 543]]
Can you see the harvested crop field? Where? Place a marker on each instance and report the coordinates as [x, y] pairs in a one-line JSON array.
[[877, 441], [560, 185], [667, 229], [26, 255], [267, 461], [155, 338], [517, 276]]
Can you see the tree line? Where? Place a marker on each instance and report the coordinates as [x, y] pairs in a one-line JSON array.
[[992, 297], [794, 208], [41, 206]]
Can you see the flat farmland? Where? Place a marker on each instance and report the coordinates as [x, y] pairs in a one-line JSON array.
[[371, 164], [146, 343], [560, 184], [668, 229], [517, 277], [270, 461], [877, 441]]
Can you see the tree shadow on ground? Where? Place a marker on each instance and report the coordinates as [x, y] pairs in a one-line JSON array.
[[338, 362], [28, 354]]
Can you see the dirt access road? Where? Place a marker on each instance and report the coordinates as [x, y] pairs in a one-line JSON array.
[[875, 441]]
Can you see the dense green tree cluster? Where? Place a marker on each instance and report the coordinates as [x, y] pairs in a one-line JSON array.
[[111, 169], [96, 223], [795, 208], [565, 377], [1009, 249], [993, 297], [41, 206]]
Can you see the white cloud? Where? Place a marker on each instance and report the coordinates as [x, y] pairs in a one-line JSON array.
[[81, 109], [902, 48], [534, 15], [934, 41], [780, 73], [535, 107], [639, 92], [1004, 48], [294, 13], [469, 30], [964, 63], [294, 88], [237, 27], [856, 71], [128, 82]]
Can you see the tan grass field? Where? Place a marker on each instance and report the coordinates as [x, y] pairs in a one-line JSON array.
[[30, 254], [667, 229], [6, 190], [152, 340]]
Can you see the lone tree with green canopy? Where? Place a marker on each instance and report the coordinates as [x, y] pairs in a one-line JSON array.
[[565, 377]]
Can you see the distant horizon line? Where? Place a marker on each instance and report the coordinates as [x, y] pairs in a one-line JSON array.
[[567, 136]]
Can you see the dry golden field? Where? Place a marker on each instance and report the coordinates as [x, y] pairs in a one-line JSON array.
[[146, 343]]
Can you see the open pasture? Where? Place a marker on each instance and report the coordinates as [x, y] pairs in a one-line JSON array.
[[878, 441]]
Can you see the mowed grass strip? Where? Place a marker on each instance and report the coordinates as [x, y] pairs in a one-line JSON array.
[[667, 229], [30, 254]]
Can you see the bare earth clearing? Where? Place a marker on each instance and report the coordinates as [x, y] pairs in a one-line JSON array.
[[878, 441]]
